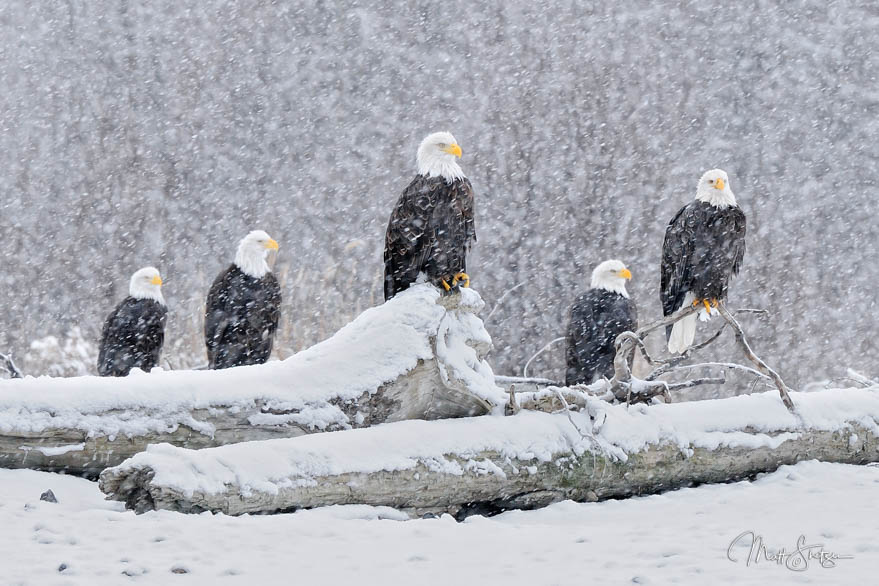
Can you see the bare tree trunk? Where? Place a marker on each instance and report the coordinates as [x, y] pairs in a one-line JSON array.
[[507, 465]]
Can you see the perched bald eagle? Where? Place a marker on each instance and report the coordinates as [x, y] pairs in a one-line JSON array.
[[431, 228], [598, 316], [704, 245], [243, 307], [134, 333]]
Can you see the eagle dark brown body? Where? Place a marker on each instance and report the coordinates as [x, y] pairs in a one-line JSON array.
[[430, 231], [597, 317], [704, 245], [241, 318], [132, 337]]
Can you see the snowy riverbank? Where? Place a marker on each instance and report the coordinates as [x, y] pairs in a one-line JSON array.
[[677, 537]]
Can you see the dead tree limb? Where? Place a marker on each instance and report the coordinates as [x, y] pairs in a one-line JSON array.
[[625, 388], [783, 389], [498, 303], [727, 365], [546, 347], [10, 367], [625, 344], [526, 461]]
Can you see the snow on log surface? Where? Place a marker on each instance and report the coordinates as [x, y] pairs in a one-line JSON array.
[[494, 462], [420, 355]]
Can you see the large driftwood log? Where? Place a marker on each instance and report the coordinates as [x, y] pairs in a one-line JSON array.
[[418, 356], [492, 463]]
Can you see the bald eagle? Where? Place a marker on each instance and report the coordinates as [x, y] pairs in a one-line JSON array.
[[134, 333], [597, 317], [431, 228], [704, 245], [243, 307]]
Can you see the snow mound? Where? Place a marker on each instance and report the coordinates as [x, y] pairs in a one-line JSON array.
[[309, 391]]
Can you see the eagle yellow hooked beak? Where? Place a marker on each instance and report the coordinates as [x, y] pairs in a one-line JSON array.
[[454, 149], [272, 244], [719, 183], [157, 280], [626, 274]]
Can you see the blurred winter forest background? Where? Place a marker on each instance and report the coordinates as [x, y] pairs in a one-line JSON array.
[[161, 132]]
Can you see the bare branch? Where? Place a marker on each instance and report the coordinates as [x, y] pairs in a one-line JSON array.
[[749, 310], [501, 300], [669, 363], [783, 389], [696, 382], [667, 320], [860, 383], [598, 447], [533, 380], [625, 344], [10, 367], [729, 365], [864, 380], [512, 405], [641, 391], [666, 363], [539, 352], [624, 388]]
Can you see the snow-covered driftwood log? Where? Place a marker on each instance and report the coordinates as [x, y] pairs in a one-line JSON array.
[[418, 356], [493, 462]]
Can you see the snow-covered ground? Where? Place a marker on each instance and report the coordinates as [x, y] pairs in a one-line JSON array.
[[679, 537]]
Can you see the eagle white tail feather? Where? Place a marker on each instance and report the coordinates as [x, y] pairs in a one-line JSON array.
[[683, 332]]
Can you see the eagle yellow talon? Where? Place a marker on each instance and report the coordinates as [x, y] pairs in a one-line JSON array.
[[446, 286], [461, 277], [707, 305]]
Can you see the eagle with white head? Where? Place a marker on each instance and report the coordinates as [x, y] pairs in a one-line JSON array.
[[431, 228], [704, 246], [134, 333], [597, 317], [243, 306]]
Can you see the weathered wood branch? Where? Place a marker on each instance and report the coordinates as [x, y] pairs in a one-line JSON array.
[[625, 388], [10, 367], [487, 464], [783, 389], [545, 347]]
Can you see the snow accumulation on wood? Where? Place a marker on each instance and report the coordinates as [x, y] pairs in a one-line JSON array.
[[418, 355], [495, 462]]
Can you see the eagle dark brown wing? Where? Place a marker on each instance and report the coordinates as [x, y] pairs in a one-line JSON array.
[[241, 318], [430, 231], [133, 336], [704, 246]]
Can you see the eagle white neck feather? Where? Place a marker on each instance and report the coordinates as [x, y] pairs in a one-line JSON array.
[[610, 283], [433, 162], [251, 259], [143, 289]]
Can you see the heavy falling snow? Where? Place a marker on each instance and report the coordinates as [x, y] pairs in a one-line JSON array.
[[159, 134]]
